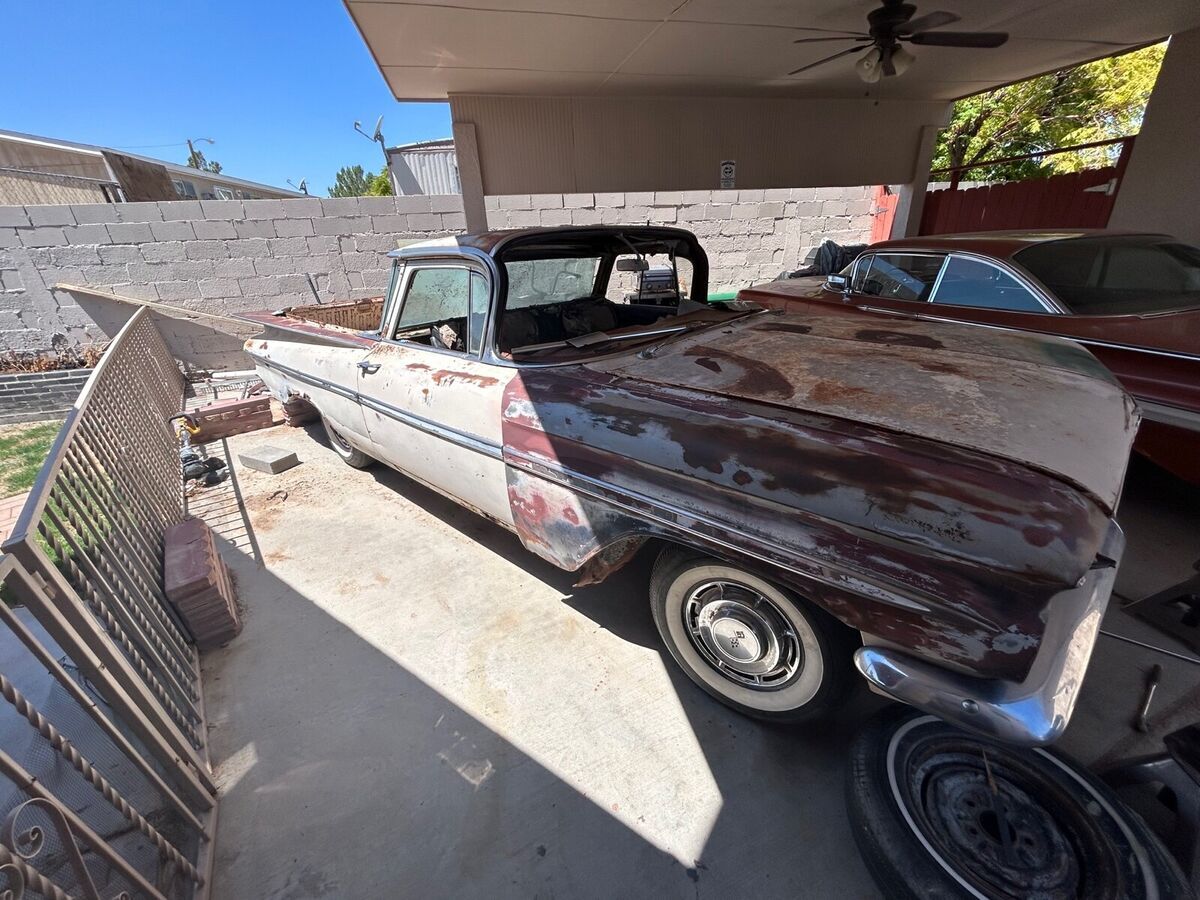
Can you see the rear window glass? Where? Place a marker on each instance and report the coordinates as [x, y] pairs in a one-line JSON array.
[[972, 282], [901, 276], [1117, 275], [538, 282]]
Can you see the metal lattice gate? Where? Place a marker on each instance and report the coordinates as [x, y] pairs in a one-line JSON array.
[[105, 786]]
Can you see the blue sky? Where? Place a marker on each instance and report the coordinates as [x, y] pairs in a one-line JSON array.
[[277, 85]]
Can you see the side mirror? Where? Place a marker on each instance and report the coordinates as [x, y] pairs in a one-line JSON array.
[[632, 264], [839, 284]]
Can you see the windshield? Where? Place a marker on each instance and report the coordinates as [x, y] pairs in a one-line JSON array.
[[1117, 274]]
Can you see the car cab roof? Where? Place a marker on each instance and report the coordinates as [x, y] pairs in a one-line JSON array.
[[1000, 244]]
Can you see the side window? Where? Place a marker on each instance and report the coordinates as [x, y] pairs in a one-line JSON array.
[[479, 309], [902, 276], [972, 282], [392, 298], [437, 302]]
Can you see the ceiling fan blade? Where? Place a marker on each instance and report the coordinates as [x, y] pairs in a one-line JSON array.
[[821, 62], [864, 37], [959, 38], [927, 22]]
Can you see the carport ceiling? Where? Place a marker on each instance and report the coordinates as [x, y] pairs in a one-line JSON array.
[[429, 49]]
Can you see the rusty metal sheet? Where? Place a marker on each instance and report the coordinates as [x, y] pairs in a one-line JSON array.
[[1043, 402]]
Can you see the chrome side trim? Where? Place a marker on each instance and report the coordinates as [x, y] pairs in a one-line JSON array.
[[653, 509], [1035, 711], [446, 433], [1170, 415]]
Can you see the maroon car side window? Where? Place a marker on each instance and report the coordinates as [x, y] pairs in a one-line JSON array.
[[902, 276], [973, 282]]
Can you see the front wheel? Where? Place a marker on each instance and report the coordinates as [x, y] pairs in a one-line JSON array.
[[754, 646], [941, 813], [351, 456]]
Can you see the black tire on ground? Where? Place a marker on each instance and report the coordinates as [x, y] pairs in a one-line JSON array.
[[349, 455], [924, 817], [816, 651]]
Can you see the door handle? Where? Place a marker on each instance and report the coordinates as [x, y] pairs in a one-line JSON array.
[[368, 367]]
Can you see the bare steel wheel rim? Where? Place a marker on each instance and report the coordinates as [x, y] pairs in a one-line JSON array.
[[742, 634]]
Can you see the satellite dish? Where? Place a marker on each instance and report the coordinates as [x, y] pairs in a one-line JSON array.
[[378, 136]]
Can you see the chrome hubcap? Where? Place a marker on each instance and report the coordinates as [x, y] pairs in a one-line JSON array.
[[742, 634]]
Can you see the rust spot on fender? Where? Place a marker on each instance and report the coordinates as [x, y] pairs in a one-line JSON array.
[[765, 379], [711, 364], [418, 367], [898, 338], [742, 477], [831, 392], [785, 327], [446, 376]]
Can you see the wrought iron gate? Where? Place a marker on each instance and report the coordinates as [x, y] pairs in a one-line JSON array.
[[112, 793]]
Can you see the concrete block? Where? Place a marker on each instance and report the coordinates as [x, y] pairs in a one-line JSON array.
[[376, 206], [668, 198], [147, 273], [553, 217], [177, 291], [724, 197], [321, 243], [610, 199], [142, 211], [172, 231], [77, 255], [247, 247], [579, 201], [300, 207], [393, 224], [294, 227], [639, 198], [222, 209], [42, 237], [375, 243], [770, 210], [124, 253], [414, 204], [745, 210], [524, 218], [86, 234], [239, 267], [8, 238], [833, 208], [587, 216], [206, 250], [490, 203], [219, 287], [454, 221], [271, 460], [129, 233], [750, 196], [163, 251], [514, 201], [693, 197], [262, 209], [178, 210], [255, 228], [780, 195], [339, 207], [14, 217], [545, 201], [291, 246], [337, 225], [95, 213], [217, 230], [258, 286], [452, 203], [425, 222], [50, 215]]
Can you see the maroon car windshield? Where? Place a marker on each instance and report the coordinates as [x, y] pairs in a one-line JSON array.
[[1117, 274]]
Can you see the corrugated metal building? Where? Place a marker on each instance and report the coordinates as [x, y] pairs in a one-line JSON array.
[[425, 167]]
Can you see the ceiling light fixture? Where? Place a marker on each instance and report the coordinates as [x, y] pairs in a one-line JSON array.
[[868, 66]]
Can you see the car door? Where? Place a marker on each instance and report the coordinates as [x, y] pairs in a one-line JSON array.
[[430, 403]]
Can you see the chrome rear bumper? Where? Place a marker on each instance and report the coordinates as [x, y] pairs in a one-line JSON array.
[[1030, 713]]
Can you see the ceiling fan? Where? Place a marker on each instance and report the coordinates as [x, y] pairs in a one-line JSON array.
[[887, 27]]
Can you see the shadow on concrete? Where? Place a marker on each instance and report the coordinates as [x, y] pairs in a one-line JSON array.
[[343, 773]]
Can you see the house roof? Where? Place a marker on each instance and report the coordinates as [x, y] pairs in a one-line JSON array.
[[173, 168]]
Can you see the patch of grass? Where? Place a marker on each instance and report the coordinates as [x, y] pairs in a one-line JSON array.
[[23, 449]]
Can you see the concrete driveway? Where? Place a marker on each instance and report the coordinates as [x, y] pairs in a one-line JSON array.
[[420, 707]]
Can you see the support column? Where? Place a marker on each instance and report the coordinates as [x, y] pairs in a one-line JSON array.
[[1162, 179], [911, 200], [470, 176]]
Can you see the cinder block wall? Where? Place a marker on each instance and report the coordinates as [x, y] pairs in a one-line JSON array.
[[225, 256]]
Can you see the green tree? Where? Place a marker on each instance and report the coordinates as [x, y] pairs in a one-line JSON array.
[[350, 181], [381, 184], [197, 161], [1092, 102]]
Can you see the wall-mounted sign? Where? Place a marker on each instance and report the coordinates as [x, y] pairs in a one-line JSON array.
[[728, 174]]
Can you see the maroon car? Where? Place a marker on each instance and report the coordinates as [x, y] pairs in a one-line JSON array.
[[1132, 299]]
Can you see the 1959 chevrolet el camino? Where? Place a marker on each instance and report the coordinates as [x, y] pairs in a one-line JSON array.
[[930, 502]]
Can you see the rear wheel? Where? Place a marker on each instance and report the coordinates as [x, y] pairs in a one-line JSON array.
[[938, 812], [351, 456], [754, 646]]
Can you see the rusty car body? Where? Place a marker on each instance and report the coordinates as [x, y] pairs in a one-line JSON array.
[[946, 492], [1132, 299]]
